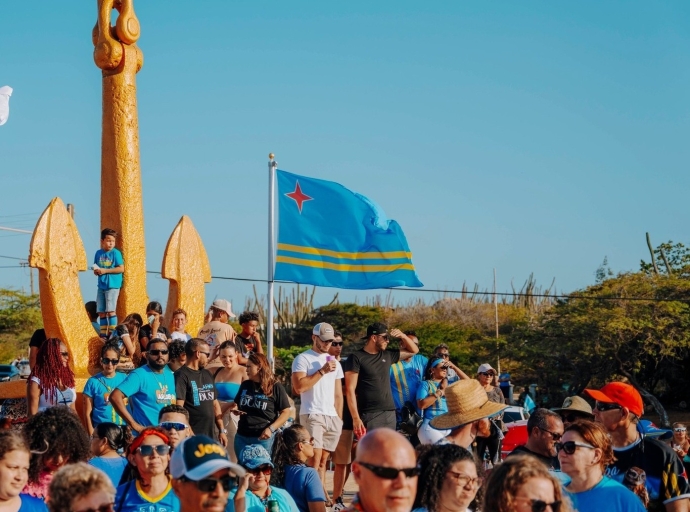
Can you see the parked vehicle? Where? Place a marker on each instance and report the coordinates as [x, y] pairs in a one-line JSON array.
[[8, 372], [516, 435], [514, 413], [24, 368]]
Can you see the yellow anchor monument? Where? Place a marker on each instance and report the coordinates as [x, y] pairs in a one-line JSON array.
[[56, 248]]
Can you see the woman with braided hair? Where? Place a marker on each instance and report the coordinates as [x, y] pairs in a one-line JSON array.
[[291, 450], [51, 381], [451, 479]]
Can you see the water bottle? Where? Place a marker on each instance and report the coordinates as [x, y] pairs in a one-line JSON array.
[[272, 506]]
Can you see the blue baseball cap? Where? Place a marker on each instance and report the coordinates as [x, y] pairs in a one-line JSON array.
[[254, 456], [198, 457]]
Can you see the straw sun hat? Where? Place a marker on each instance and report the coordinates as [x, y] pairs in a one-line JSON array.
[[467, 402]]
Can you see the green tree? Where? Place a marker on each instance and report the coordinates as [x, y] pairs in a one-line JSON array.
[[20, 316], [677, 255], [635, 326]]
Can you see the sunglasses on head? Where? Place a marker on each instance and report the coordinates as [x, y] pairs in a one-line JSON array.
[[172, 425], [146, 450], [606, 406], [210, 484], [390, 473], [337, 344], [569, 447], [106, 507], [107, 361], [540, 506], [157, 352], [266, 470]]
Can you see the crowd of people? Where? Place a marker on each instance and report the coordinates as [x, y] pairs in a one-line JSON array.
[[181, 422]]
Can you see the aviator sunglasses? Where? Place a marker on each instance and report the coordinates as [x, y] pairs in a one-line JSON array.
[[146, 450], [540, 505], [390, 473]]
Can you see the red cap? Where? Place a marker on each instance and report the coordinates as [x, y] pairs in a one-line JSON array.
[[619, 393]]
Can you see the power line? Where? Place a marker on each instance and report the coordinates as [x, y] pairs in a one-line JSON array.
[[12, 258]]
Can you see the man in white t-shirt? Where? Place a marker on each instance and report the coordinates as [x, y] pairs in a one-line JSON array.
[[316, 377]]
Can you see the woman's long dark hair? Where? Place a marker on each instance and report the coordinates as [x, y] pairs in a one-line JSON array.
[[118, 437], [435, 461], [266, 377], [430, 366], [285, 451]]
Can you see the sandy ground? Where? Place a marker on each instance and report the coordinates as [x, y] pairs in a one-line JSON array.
[[350, 487]]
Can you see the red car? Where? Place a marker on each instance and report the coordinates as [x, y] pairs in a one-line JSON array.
[[516, 435]]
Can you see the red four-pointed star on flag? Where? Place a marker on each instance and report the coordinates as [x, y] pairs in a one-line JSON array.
[[298, 196]]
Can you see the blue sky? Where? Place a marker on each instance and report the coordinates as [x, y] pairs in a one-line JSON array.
[[522, 136]]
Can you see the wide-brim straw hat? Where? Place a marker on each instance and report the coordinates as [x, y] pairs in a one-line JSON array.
[[467, 402], [575, 404]]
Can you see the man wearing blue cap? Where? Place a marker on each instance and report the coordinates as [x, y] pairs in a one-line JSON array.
[[202, 475]]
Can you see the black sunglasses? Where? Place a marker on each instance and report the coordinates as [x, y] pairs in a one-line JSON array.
[[107, 361], [146, 450], [207, 354], [390, 473], [157, 352], [64, 354], [540, 505], [337, 344], [606, 406], [210, 484], [266, 470], [569, 447], [556, 437], [487, 374], [444, 356]]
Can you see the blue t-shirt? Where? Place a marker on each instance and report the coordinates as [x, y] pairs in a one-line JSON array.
[[304, 485], [426, 388], [109, 259], [607, 495], [32, 504], [254, 504], [111, 466], [98, 388], [131, 498], [406, 378], [148, 393]]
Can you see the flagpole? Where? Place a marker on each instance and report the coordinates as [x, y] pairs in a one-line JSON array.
[[272, 164]]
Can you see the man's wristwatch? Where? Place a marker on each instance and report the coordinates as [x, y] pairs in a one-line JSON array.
[[224, 431]]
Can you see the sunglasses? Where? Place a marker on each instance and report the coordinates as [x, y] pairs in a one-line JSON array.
[[173, 425], [569, 447], [157, 352], [540, 506], [64, 354], [390, 473], [444, 356], [308, 441], [556, 437], [266, 470], [679, 429], [487, 374], [107, 361], [337, 344], [605, 406], [211, 484], [572, 418], [106, 507], [384, 336], [146, 450], [207, 354]]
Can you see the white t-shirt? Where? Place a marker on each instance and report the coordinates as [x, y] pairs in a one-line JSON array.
[[320, 399], [66, 397]]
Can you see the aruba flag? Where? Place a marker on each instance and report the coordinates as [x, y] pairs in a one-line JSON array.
[[331, 236]]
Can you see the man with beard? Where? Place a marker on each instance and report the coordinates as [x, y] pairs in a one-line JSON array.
[[149, 389], [544, 429], [196, 391]]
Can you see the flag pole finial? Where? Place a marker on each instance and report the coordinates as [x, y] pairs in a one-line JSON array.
[[271, 156]]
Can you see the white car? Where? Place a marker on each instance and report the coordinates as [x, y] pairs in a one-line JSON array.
[[514, 413], [24, 369]]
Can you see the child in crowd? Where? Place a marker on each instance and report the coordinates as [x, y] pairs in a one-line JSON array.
[[108, 265]]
